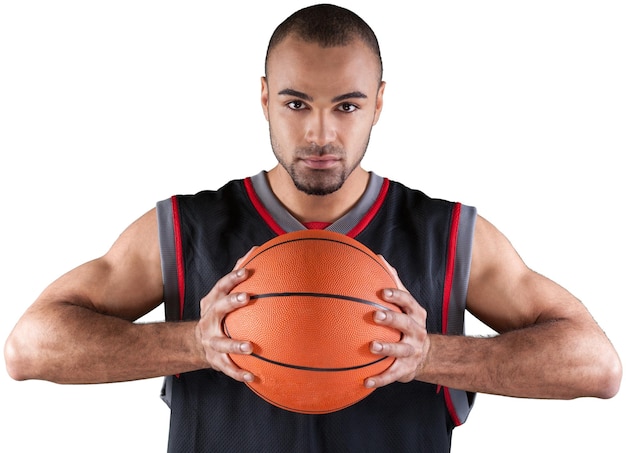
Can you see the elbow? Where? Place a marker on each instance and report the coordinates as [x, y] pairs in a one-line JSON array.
[[611, 377], [603, 372], [597, 372], [14, 360], [21, 356]]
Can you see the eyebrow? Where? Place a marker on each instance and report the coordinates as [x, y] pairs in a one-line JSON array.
[[306, 97]]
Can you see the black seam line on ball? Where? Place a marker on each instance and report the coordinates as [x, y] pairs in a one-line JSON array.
[[321, 295], [309, 368]]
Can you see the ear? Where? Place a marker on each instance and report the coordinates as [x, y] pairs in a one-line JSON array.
[[379, 101], [265, 97]]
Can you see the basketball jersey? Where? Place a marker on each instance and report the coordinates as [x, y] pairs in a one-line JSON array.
[[428, 241]]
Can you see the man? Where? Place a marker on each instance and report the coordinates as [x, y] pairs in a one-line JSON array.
[[322, 94]]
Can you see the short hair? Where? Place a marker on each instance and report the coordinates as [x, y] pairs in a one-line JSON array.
[[326, 25]]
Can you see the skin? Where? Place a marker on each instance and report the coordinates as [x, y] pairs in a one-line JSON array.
[[321, 105]]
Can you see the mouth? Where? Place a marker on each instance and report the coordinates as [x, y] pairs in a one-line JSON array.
[[320, 162]]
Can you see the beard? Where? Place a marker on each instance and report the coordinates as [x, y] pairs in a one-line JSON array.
[[317, 182]]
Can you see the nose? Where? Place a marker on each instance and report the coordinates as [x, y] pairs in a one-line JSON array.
[[320, 128]]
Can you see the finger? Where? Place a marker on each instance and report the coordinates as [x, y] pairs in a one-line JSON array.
[[410, 320], [238, 374], [226, 284], [405, 301], [227, 345], [392, 374], [221, 350], [397, 350], [229, 368], [236, 300], [224, 305]]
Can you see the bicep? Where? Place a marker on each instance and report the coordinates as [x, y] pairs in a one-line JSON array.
[[504, 293], [126, 282]]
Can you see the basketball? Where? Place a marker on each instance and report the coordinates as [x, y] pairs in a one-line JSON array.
[[312, 297]]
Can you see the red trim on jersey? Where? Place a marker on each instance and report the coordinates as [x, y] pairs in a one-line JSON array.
[[369, 215], [180, 265], [264, 213], [447, 288], [450, 405], [447, 291]]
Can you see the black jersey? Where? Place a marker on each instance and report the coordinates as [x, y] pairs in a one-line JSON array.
[[429, 243]]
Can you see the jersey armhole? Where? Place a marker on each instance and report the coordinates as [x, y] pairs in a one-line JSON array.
[[458, 402]]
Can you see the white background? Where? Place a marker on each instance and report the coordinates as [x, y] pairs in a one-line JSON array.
[[517, 108]]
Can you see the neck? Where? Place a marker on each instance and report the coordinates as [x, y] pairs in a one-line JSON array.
[[317, 208]]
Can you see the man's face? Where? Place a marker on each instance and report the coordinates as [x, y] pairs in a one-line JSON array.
[[321, 104]]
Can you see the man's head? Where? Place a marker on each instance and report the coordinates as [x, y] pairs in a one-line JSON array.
[[322, 94], [328, 26]]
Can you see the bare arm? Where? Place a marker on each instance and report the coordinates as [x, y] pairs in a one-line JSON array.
[[81, 329], [549, 346]]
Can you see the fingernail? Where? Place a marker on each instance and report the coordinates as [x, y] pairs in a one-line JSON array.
[[376, 346], [245, 347], [369, 383], [241, 297], [248, 377], [241, 272], [387, 293], [380, 315]]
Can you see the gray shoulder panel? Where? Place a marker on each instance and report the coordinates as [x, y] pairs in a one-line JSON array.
[[462, 262], [165, 220], [169, 268], [462, 401]]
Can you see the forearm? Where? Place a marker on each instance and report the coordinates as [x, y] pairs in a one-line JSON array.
[[72, 344], [548, 360]]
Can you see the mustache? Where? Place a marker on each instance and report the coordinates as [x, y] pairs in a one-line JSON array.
[[316, 150]]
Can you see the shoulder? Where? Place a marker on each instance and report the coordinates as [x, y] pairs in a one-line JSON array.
[[422, 204]]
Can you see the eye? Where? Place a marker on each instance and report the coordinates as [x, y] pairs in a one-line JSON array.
[[346, 107], [296, 105]]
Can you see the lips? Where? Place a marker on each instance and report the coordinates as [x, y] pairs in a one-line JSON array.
[[320, 162]]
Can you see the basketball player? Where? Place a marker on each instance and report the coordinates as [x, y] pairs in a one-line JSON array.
[[321, 95]]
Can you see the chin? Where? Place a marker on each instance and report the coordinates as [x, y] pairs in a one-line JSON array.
[[317, 187]]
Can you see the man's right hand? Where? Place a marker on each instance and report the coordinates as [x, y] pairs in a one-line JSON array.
[[214, 307]]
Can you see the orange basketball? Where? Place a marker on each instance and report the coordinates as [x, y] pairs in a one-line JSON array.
[[313, 294]]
